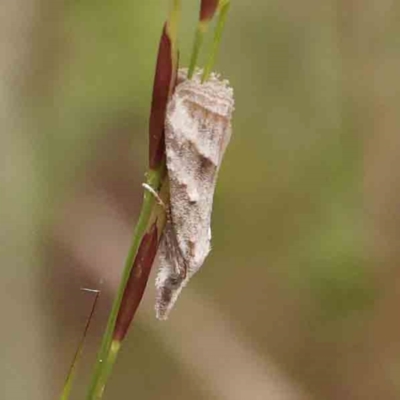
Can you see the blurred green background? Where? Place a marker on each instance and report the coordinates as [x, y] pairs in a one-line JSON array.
[[299, 297]]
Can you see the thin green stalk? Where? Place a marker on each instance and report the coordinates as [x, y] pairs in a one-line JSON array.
[[107, 354], [223, 12], [173, 22], [198, 42], [208, 8], [72, 371]]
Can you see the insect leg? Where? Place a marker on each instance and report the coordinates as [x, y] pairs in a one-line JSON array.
[[155, 194], [171, 241]]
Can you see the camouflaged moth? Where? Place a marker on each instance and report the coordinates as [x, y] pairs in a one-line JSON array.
[[197, 132]]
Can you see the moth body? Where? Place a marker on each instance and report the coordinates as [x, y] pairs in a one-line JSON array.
[[197, 131]]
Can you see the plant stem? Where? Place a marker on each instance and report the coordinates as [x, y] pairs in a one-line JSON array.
[[217, 39], [72, 371], [109, 348], [198, 41]]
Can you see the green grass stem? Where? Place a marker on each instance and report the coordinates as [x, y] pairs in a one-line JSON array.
[[108, 350], [223, 12]]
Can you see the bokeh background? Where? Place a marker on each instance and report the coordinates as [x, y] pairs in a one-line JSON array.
[[299, 297]]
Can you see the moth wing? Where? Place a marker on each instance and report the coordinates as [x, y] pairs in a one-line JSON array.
[[198, 129], [171, 273]]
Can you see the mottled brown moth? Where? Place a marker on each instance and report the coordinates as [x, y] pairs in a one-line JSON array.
[[197, 132]]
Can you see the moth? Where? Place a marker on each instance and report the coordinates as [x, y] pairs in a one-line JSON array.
[[197, 132]]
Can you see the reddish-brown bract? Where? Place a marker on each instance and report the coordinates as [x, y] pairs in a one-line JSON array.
[[137, 282], [207, 9], [161, 89]]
